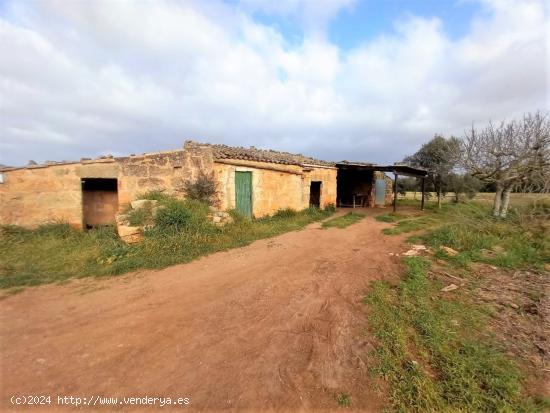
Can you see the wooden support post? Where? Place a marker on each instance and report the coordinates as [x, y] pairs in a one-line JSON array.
[[354, 200], [394, 192], [422, 203]]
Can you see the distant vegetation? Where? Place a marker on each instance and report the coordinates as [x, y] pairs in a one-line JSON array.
[[511, 156], [182, 232]]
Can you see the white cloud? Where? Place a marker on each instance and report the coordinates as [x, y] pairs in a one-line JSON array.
[[82, 78]]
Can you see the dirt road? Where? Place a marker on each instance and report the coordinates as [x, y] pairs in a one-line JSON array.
[[278, 325]]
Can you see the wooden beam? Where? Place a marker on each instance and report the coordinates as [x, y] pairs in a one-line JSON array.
[[422, 203], [394, 192]]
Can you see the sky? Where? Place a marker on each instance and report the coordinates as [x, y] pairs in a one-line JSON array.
[[358, 80]]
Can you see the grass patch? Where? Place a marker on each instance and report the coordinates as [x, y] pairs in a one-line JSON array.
[[56, 252], [343, 221], [519, 241], [410, 225], [431, 355], [391, 217], [343, 400]]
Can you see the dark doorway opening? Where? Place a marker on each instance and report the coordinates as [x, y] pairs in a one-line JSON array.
[[315, 194], [354, 188], [99, 201]]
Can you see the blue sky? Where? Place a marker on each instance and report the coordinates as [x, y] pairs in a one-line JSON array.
[[366, 19], [371, 18], [336, 79]]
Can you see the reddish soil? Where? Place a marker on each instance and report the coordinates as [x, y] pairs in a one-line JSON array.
[[277, 325]]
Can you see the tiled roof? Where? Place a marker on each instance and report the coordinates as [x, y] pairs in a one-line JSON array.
[[219, 152], [262, 155]]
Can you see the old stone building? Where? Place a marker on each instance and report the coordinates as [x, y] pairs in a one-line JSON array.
[[90, 192], [256, 182]]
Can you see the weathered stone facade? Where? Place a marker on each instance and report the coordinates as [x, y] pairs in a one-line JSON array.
[[274, 186], [38, 194]]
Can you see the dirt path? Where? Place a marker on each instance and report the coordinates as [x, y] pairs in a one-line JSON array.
[[276, 325]]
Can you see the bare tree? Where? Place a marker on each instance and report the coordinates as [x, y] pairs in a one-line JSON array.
[[513, 155]]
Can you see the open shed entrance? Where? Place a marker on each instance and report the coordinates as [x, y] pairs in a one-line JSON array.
[[354, 187], [315, 194], [99, 201]]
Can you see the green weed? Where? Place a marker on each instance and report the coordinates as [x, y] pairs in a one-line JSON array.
[[343, 221], [343, 400]]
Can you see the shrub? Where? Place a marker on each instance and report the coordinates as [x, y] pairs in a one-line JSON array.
[[177, 215], [330, 208], [174, 215], [202, 189]]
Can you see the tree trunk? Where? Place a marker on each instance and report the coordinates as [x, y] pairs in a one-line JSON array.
[[505, 202], [498, 201], [439, 195]]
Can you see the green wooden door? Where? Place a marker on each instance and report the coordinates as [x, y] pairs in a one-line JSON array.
[[243, 193]]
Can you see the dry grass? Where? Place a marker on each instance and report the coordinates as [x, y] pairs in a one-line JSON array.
[[485, 197]]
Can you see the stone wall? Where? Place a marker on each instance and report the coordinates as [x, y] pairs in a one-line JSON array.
[[328, 188], [274, 186], [163, 171], [39, 194]]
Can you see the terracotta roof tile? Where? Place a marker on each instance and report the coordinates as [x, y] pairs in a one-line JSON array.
[[263, 155]]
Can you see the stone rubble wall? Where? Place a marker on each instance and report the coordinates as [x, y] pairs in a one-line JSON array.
[[163, 171], [36, 195]]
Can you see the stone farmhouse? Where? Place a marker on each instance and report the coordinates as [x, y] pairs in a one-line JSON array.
[[256, 182]]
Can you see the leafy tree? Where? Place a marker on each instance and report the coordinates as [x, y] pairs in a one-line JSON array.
[[462, 184], [439, 156], [512, 155], [407, 184]]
